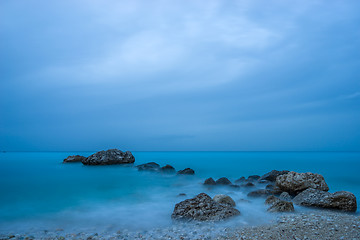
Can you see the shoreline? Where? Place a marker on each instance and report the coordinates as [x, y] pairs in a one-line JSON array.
[[309, 225]]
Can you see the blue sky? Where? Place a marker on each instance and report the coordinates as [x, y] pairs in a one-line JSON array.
[[244, 75]]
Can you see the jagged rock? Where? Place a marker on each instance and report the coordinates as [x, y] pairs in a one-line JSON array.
[[342, 200], [223, 181], [285, 197], [281, 206], [210, 181], [240, 180], [224, 199], [260, 193], [109, 157], [167, 169], [253, 178], [202, 208], [186, 171], [151, 166], [249, 184], [271, 176], [294, 182], [74, 158]]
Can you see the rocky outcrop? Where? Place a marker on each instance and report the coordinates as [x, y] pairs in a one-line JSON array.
[[260, 193], [202, 208], [151, 166], [74, 158], [167, 169], [210, 181], [278, 205], [224, 199], [186, 171], [294, 182], [109, 157], [223, 181], [343, 200], [271, 176]]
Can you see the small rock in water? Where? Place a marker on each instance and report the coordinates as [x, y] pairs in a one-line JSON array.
[[260, 193], [240, 180], [223, 181], [249, 184], [168, 169], [186, 171], [253, 178], [151, 166], [210, 181]]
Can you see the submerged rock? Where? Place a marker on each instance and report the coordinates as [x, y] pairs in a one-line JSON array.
[[271, 176], [167, 169], [74, 158], [151, 166], [109, 157], [202, 208], [224, 199], [186, 171], [342, 200], [260, 193], [294, 182], [210, 181], [223, 181]]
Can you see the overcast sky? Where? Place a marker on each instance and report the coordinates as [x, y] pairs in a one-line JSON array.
[[245, 75]]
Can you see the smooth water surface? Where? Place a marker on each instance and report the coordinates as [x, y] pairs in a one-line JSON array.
[[38, 190]]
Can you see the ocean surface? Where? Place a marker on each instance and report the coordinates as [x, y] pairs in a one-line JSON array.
[[39, 192]]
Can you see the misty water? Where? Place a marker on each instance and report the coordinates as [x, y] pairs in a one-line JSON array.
[[39, 192]]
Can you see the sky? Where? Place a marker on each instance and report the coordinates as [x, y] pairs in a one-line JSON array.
[[180, 75]]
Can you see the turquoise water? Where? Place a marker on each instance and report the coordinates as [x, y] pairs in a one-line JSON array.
[[38, 190]]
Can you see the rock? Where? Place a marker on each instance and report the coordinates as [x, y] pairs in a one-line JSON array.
[[223, 181], [109, 157], [285, 197], [151, 166], [234, 186], [269, 186], [186, 171], [209, 181], [343, 200], [224, 199], [74, 158], [181, 194], [240, 180], [294, 182], [260, 193], [271, 200], [249, 184], [277, 205], [253, 178], [271, 176], [168, 169], [281, 206], [202, 208]]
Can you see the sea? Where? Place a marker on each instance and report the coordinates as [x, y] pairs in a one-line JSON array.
[[39, 192]]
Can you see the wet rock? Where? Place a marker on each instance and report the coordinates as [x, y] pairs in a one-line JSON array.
[[270, 186], [167, 169], [181, 194], [249, 184], [281, 206], [151, 166], [253, 178], [224, 199], [271, 176], [202, 208], [260, 193], [240, 180], [234, 186], [186, 171], [74, 158], [294, 182], [285, 197], [342, 200], [109, 157], [271, 200], [210, 181], [223, 181]]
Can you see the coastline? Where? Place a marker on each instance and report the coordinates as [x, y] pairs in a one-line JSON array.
[[310, 225]]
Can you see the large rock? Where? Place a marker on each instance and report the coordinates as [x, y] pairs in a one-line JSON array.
[[294, 182], [271, 176], [202, 208], [210, 181], [278, 205], [345, 201], [74, 158], [186, 171], [168, 169], [109, 157], [151, 166], [223, 181], [224, 199]]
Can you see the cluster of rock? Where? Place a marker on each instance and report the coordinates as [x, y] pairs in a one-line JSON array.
[[154, 167], [204, 208]]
